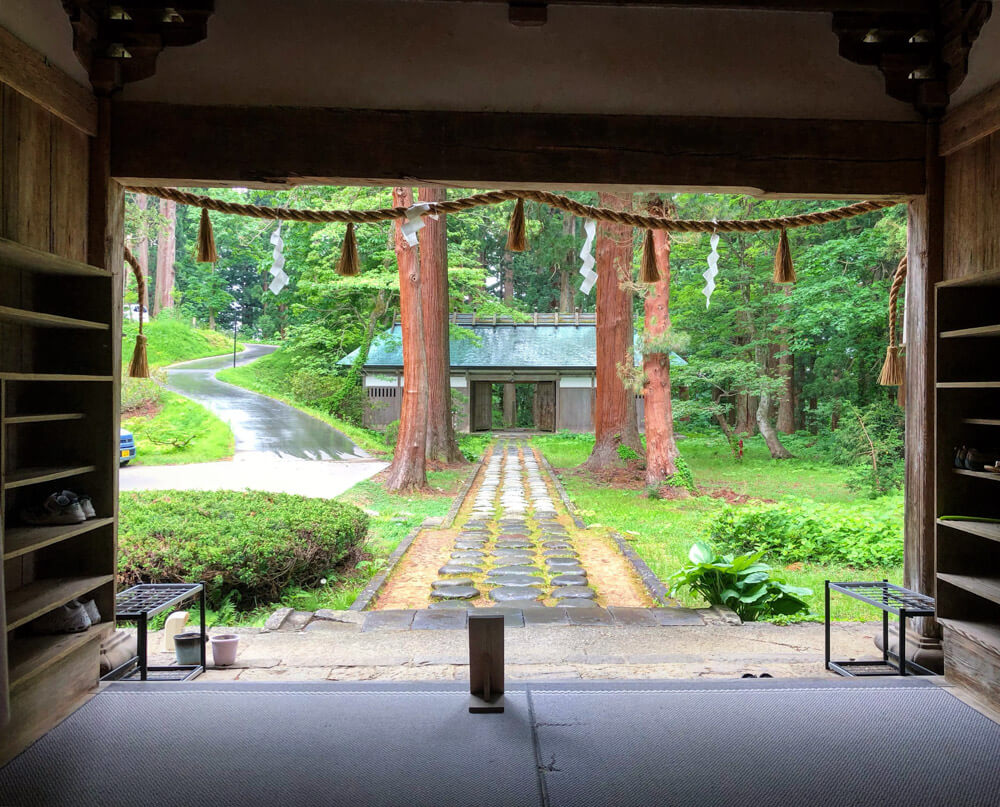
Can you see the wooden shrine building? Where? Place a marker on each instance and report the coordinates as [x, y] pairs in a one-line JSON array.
[[555, 355], [837, 99]]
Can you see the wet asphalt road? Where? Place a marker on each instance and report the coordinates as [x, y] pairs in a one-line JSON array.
[[260, 424]]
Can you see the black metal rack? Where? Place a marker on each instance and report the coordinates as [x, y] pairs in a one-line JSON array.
[[138, 604], [890, 599]]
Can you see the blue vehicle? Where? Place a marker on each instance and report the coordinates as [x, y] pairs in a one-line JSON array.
[[126, 447]]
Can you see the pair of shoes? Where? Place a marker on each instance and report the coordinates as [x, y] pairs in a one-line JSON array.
[[971, 459], [73, 617], [64, 507], [751, 675]]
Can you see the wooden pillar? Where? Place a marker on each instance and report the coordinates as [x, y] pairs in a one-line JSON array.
[[926, 267]]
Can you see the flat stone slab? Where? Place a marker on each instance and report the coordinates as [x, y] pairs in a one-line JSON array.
[[557, 545], [560, 553], [640, 617], [517, 580], [451, 581], [544, 615], [562, 563], [524, 559], [476, 545], [504, 552], [445, 619], [570, 579], [584, 612], [459, 568], [521, 568], [573, 593], [455, 593], [468, 554], [673, 616], [519, 594], [448, 605], [513, 544], [388, 620]]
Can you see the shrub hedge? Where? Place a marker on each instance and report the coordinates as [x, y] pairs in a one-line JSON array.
[[859, 535], [254, 544]]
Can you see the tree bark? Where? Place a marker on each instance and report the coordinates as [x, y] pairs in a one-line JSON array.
[[408, 470], [614, 405], [778, 451], [433, 238], [786, 370], [566, 290], [166, 246], [509, 407], [141, 250], [661, 448]]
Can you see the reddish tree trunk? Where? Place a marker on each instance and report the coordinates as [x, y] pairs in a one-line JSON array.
[[166, 245], [509, 409], [408, 470], [614, 405], [142, 249], [661, 449], [441, 443], [786, 369]]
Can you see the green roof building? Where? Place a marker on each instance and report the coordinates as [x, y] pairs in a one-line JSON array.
[[534, 374]]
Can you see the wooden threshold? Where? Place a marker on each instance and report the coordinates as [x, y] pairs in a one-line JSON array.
[[21, 540], [982, 421], [38, 598], [983, 529], [33, 655], [54, 377], [968, 385], [979, 474], [982, 633], [40, 320], [986, 587], [34, 476], [984, 330], [55, 417], [17, 256]]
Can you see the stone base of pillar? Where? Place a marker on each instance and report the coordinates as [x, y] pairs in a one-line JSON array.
[[923, 650]]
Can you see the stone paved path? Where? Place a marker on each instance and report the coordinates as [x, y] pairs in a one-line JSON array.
[[517, 547]]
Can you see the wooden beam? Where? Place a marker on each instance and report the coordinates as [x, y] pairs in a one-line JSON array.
[[814, 6], [29, 72], [264, 146], [977, 118]]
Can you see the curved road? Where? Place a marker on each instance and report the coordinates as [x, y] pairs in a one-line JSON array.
[[278, 448]]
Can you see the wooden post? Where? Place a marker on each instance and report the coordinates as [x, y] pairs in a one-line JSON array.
[[485, 663]]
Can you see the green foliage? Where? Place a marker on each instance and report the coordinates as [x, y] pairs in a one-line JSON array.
[[741, 582], [473, 446], [684, 478], [249, 546], [181, 431], [858, 535], [628, 454], [138, 393], [870, 439], [390, 434]]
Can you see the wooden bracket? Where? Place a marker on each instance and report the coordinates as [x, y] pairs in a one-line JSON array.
[[923, 54], [485, 663]]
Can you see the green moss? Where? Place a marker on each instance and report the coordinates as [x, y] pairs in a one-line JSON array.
[[181, 431], [170, 340]]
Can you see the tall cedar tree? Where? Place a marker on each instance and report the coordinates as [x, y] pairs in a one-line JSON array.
[[408, 470], [661, 448], [441, 442], [166, 246], [614, 405]]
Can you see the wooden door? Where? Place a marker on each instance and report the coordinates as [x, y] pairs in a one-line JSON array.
[[545, 406], [481, 407]]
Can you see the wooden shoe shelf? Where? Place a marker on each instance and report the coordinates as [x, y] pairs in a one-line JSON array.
[[57, 353], [968, 414]]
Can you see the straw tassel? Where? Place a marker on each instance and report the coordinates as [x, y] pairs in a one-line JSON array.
[[892, 368], [649, 272], [517, 241], [349, 265], [784, 270], [206, 240], [139, 366]]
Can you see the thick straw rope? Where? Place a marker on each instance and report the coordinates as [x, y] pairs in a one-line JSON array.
[[498, 197]]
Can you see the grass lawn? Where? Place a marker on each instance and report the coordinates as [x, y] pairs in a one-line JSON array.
[[170, 340], [180, 431], [662, 531], [269, 376]]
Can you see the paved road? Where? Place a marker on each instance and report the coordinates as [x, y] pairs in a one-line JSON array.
[[278, 448]]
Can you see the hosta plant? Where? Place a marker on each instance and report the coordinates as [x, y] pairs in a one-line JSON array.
[[741, 582]]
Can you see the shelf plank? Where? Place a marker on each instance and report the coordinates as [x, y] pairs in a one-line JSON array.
[[983, 529], [982, 633], [977, 474], [982, 421], [41, 320], [54, 377], [55, 417], [982, 330], [31, 601], [21, 540], [32, 655], [968, 385], [986, 587], [17, 256], [34, 476]]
